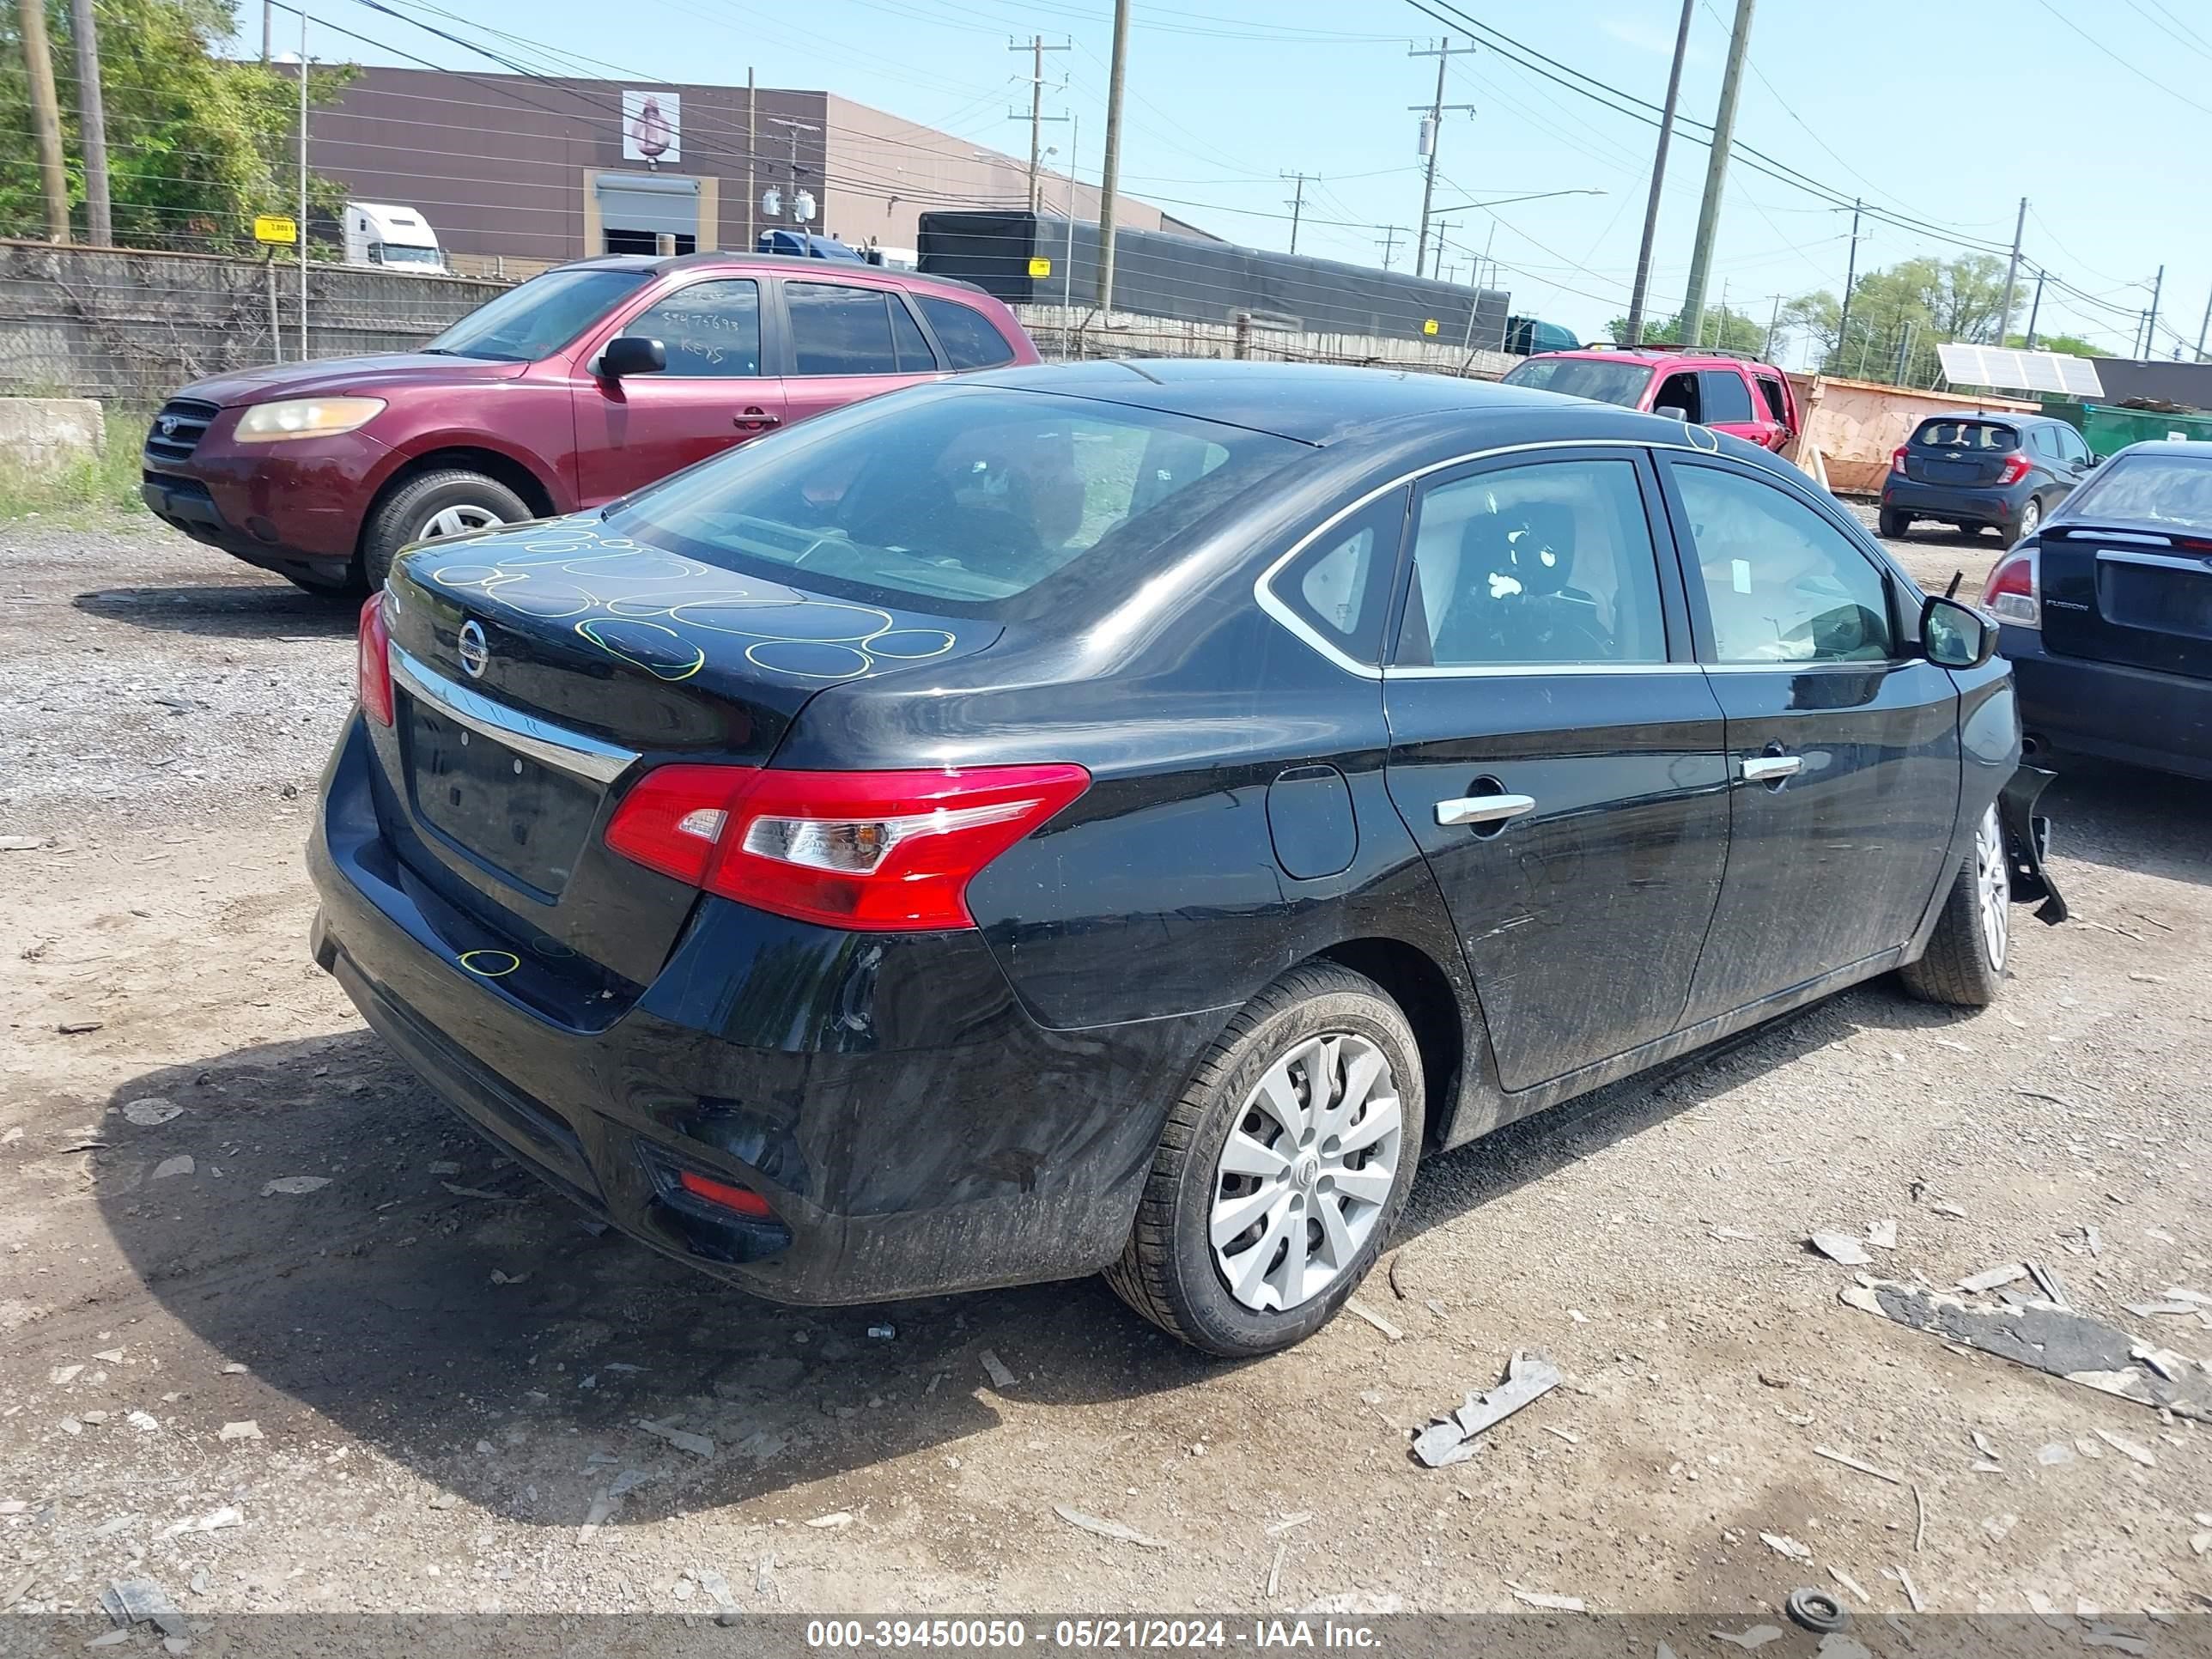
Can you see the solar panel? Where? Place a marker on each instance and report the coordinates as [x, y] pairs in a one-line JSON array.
[[2020, 371]]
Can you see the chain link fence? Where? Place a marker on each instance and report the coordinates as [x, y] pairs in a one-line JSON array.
[[129, 327]]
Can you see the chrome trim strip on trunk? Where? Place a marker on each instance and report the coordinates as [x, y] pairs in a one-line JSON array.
[[526, 734]]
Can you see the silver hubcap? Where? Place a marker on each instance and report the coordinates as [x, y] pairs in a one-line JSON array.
[[1992, 887], [458, 521], [2030, 517], [1305, 1171]]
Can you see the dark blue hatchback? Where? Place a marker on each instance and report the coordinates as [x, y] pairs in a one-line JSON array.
[[2000, 472]]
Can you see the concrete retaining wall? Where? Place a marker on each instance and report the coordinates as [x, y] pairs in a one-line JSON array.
[[42, 433]]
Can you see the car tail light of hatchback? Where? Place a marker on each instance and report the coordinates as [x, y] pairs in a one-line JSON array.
[[373, 655], [2015, 591], [1896, 460], [876, 851], [2015, 468]]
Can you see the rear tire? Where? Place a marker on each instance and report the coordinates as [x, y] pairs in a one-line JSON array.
[[1965, 965], [449, 503], [1894, 526], [1339, 1175], [2031, 520]]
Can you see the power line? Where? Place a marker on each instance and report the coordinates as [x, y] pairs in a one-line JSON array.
[[2139, 74]]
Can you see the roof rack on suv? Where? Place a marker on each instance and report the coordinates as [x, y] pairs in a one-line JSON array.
[[1663, 347]]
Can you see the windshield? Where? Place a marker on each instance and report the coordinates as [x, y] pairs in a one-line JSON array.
[[1585, 377], [542, 315], [2147, 489], [969, 496], [395, 253]]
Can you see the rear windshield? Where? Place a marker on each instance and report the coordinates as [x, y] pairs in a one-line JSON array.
[[952, 498], [1966, 434], [1585, 377], [542, 315], [2147, 489]]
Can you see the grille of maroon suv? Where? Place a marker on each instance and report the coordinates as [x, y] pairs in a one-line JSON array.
[[178, 430]]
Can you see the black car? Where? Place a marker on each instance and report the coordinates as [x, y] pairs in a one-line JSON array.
[[2106, 614], [1122, 815], [2000, 472]]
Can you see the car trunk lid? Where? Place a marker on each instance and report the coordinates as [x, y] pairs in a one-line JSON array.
[[1960, 451], [2137, 596], [539, 669]]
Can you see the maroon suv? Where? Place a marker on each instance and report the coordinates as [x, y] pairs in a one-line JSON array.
[[578, 386]]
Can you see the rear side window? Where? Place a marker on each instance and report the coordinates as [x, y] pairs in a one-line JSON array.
[[1551, 563], [1967, 435], [913, 352], [1777, 401], [1340, 585], [954, 498], [1782, 583], [1723, 395], [840, 330], [966, 333]]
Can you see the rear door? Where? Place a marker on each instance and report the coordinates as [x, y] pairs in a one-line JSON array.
[[1556, 753], [1956, 450], [848, 342], [2071, 464], [713, 394], [1778, 403], [1842, 749]]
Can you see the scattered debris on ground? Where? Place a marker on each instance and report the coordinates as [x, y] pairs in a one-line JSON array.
[[1451, 1438]]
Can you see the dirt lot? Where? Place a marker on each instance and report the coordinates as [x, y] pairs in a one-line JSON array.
[[442, 1373]]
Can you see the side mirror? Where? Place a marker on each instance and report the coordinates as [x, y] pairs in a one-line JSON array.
[[1955, 635], [632, 353], [2096, 459], [1672, 412]]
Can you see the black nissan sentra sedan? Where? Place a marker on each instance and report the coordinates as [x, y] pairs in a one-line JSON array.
[[1120, 817]]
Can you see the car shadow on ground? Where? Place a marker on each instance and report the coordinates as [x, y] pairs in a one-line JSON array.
[[249, 607], [438, 1303], [2127, 818]]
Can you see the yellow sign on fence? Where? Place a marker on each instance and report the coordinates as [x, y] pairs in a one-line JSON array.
[[1429, 325], [274, 228], [1040, 266]]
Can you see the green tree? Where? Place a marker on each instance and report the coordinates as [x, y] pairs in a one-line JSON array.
[[1899, 316], [2069, 345], [1730, 330], [198, 144]]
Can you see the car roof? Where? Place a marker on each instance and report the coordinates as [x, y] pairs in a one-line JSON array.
[[1311, 403], [788, 264], [1659, 353]]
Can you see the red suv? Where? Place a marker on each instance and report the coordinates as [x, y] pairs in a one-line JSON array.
[[576, 387], [1750, 400]]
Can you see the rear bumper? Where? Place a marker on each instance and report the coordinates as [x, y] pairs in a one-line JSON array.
[[914, 1132], [2136, 715], [1991, 504]]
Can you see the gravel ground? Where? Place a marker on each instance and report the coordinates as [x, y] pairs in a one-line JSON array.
[[420, 1385]]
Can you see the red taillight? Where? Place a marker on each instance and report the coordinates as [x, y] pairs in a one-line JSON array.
[[372, 644], [2014, 593], [2015, 468], [877, 851], [743, 1200], [1896, 460]]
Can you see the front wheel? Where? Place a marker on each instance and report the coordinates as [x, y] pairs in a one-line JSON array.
[[1964, 963], [1282, 1170], [452, 501]]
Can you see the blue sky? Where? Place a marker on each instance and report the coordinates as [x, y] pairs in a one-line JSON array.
[[2098, 111]]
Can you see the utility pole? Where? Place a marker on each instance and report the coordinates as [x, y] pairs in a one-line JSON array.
[[2204, 328], [45, 117], [1850, 276], [1708, 210], [1436, 264], [1109, 177], [92, 125], [1036, 46], [268, 27], [1658, 180], [2035, 308], [752, 153], [1387, 241], [2012, 273], [303, 184], [2150, 325], [1432, 133], [1297, 203], [1773, 323]]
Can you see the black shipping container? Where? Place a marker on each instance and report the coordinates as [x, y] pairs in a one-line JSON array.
[[1158, 274]]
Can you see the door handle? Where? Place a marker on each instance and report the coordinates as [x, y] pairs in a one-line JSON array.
[[755, 420], [1484, 809], [1771, 768]]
